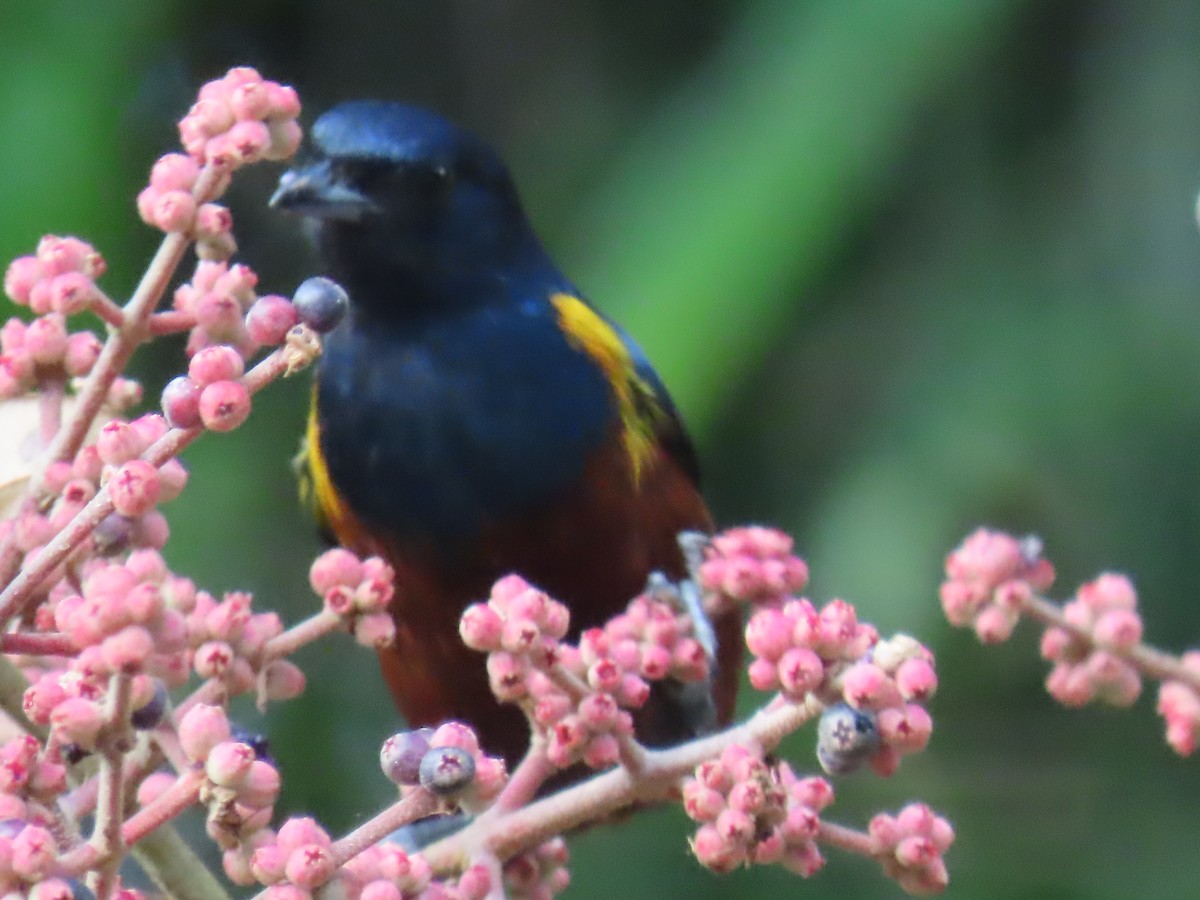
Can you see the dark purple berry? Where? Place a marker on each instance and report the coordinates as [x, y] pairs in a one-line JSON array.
[[401, 755], [447, 770], [151, 712], [846, 737], [320, 303], [112, 535]]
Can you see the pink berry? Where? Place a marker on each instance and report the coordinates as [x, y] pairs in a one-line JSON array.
[[20, 277], [335, 568], [72, 292], [82, 351], [228, 763], [134, 488], [297, 832], [201, 729], [181, 402], [248, 141], [260, 788], [224, 405], [33, 853], [173, 211], [77, 721], [118, 442], [217, 363], [309, 866], [270, 319], [46, 339], [174, 172]]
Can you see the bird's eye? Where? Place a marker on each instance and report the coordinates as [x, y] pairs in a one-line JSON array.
[[364, 174]]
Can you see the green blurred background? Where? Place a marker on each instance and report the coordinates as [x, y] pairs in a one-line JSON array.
[[908, 266]]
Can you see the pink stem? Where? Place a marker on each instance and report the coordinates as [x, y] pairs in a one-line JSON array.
[[302, 634], [529, 775], [405, 811], [110, 803], [166, 806], [108, 310], [857, 842], [171, 321], [31, 643], [50, 403]]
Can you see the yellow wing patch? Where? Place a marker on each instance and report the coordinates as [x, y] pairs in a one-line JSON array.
[[316, 488], [637, 403]]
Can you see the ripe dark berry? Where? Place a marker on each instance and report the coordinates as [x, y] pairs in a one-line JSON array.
[[151, 712], [846, 737], [320, 303], [401, 755], [447, 770]]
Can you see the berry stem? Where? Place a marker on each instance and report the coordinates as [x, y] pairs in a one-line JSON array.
[[416, 805], [1148, 660], [847, 839], [31, 643], [170, 321], [110, 803], [302, 633], [505, 833]]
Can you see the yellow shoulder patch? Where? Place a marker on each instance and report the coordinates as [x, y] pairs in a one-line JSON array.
[[316, 488], [637, 403]]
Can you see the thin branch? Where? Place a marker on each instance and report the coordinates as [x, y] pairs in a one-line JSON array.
[[1148, 660]]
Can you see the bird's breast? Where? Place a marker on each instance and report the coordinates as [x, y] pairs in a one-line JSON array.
[[433, 433]]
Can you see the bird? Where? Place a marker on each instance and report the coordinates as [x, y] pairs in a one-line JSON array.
[[473, 415]]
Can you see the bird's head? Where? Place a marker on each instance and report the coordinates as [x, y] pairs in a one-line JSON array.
[[399, 194]]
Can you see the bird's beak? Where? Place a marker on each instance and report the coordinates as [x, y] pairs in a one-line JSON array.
[[314, 190]]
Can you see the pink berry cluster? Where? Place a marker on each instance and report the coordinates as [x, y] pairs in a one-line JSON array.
[[797, 649], [237, 120], [32, 777], [137, 486], [137, 618], [359, 591], [1094, 640], [911, 845], [298, 859], [169, 204], [68, 487], [59, 278], [299, 862], [1179, 705], [752, 811], [221, 304], [893, 682], [655, 639], [241, 118], [42, 347], [988, 578], [579, 697], [239, 790], [1093, 668], [752, 564], [540, 873], [229, 644]]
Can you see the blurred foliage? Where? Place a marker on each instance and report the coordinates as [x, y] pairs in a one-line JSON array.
[[907, 266]]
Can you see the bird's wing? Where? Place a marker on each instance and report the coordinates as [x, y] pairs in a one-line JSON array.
[[649, 417]]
